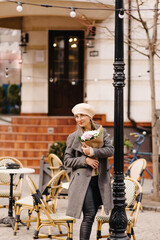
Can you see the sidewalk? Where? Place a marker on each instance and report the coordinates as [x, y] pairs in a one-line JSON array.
[[147, 226]]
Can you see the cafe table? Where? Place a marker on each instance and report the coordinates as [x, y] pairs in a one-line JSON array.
[[11, 171]]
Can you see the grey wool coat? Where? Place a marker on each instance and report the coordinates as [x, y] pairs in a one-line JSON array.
[[81, 173]]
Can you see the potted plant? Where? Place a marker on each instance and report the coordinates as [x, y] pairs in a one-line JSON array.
[[127, 146]]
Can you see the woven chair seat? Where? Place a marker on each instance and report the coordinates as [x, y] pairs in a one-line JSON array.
[[25, 201], [57, 217], [105, 218], [6, 193], [65, 185]]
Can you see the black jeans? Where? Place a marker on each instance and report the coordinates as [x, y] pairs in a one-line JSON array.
[[91, 204]]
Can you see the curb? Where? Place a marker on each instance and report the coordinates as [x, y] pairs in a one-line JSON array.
[[151, 208]]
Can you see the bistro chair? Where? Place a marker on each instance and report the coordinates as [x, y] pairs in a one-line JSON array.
[[56, 165], [133, 200], [53, 188], [136, 169], [46, 218], [5, 180], [50, 194], [25, 203]]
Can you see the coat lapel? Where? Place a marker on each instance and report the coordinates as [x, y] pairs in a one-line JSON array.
[[76, 145]]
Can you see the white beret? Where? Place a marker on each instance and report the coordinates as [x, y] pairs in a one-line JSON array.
[[84, 108]]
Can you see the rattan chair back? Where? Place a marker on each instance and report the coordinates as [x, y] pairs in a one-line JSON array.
[[135, 169], [4, 177], [55, 163]]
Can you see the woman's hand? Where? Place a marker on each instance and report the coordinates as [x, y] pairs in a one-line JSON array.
[[86, 149], [94, 163]]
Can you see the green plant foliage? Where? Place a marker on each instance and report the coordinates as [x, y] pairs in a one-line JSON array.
[[2, 95], [14, 98], [58, 148], [128, 143], [2, 98]]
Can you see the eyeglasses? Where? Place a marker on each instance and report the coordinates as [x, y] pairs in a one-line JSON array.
[[81, 116]]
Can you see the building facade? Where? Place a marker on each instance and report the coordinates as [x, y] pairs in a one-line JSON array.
[[67, 60]]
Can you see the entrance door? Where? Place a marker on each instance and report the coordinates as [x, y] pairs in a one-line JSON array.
[[66, 71]]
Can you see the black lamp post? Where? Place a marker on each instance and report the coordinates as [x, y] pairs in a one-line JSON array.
[[118, 219]]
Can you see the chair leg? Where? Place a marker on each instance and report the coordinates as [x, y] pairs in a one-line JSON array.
[[30, 218], [70, 230], [60, 230], [129, 231], [49, 231], [99, 226], [133, 235], [35, 235], [17, 219]]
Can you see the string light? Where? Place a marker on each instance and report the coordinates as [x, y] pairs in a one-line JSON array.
[[19, 7], [121, 13], [83, 8], [72, 12], [6, 70]]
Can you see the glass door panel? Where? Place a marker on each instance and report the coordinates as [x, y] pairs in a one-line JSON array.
[[66, 59]]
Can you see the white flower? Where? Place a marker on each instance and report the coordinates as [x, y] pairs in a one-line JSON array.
[[89, 135]]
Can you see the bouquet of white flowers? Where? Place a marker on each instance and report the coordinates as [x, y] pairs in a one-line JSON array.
[[93, 138]]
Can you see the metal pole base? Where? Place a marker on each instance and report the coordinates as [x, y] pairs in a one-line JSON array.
[[118, 237], [8, 221]]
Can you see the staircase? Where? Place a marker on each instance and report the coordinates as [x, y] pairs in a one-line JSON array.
[[28, 137]]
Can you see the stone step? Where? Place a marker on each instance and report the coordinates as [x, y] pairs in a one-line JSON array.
[[37, 129], [33, 136], [53, 121], [33, 162], [25, 144], [40, 120], [28, 153]]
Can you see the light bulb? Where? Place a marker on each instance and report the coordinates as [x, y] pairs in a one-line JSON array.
[[19, 7], [134, 151], [72, 12], [121, 14], [139, 75]]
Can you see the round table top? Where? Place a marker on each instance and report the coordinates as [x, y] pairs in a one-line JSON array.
[[19, 170]]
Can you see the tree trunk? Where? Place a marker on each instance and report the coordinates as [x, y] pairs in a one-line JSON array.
[[155, 156]]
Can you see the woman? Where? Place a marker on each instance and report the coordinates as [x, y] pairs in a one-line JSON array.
[[87, 191]]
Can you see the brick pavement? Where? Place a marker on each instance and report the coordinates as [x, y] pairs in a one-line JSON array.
[[146, 228]]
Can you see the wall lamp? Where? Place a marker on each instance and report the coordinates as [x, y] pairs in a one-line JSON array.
[[90, 39], [24, 41]]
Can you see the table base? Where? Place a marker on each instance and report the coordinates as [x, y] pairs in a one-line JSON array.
[[8, 220]]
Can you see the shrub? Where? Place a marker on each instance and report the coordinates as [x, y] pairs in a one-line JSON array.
[[2, 95], [2, 98], [14, 98], [58, 148]]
